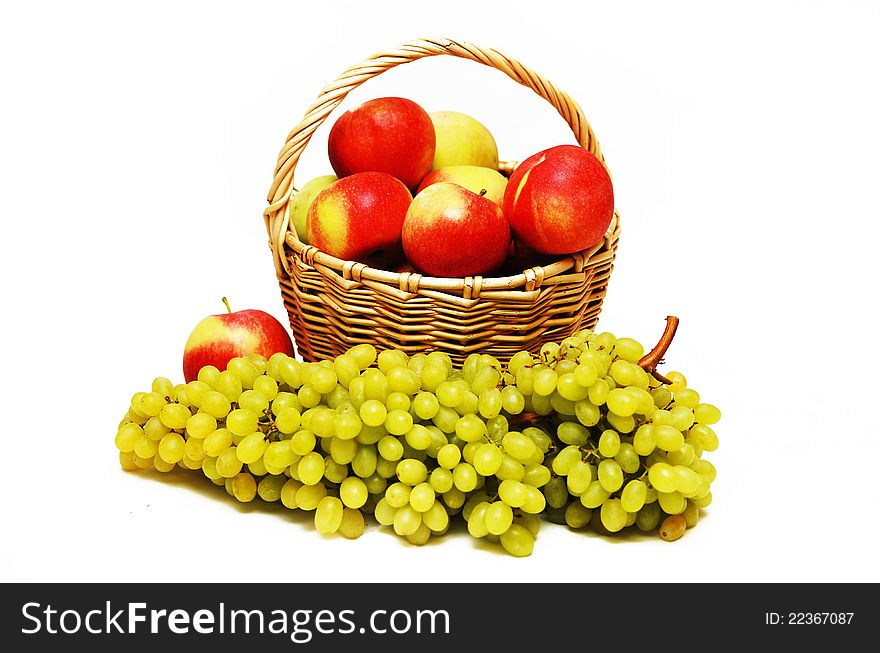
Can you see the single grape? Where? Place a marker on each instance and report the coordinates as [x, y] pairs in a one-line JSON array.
[[576, 515], [498, 517], [518, 541], [672, 528]]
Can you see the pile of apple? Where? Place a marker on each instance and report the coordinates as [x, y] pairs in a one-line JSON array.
[[419, 191]]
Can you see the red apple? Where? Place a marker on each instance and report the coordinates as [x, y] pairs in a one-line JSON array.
[[218, 338], [390, 134], [559, 201], [359, 217], [450, 231]]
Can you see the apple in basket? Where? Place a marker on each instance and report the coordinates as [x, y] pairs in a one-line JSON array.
[[559, 201], [218, 338], [299, 205], [462, 140], [389, 134], [359, 218], [477, 179], [450, 231]]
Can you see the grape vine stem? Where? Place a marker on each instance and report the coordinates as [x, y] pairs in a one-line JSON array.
[[649, 361]]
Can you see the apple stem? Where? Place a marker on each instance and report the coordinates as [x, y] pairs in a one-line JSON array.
[[483, 192], [228, 307], [649, 361]]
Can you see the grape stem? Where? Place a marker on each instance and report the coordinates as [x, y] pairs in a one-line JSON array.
[[649, 361]]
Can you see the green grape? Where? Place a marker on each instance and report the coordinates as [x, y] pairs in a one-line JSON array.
[[343, 451], [270, 486], [627, 458], [672, 503], [328, 515], [251, 447], [512, 400], [425, 405], [645, 439], [200, 425], [470, 428], [644, 400], [364, 462], [496, 427], [151, 403], [706, 414], [519, 446], [576, 515], [229, 384], [353, 492], [663, 477], [278, 454], [371, 434], [518, 361], [363, 354], [682, 417], [703, 501], [490, 402], [613, 516], [127, 436], [668, 438], [244, 487], [587, 412], [411, 471], [535, 502], [629, 349], [579, 477], [194, 449], [621, 402], [390, 448], [573, 433], [309, 496], [308, 396], [487, 377], [684, 456], [446, 419], [513, 493], [594, 496], [254, 401], [449, 394], [171, 448], [266, 386], [311, 468], [397, 422], [487, 458], [228, 463], [586, 374], [245, 369], [397, 494], [323, 380], [403, 380], [422, 496], [209, 375], [436, 518], [539, 437], [356, 393], [648, 517], [710, 439], [686, 397], [303, 442], [209, 468], [609, 443], [464, 477], [174, 416], [469, 451], [610, 475], [217, 442], [536, 475], [346, 369], [155, 429], [470, 404], [144, 447], [386, 468], [705, 468], [633, 496], [352, 524], [441, 480], [161, 465], [373, 412], [347, 426], [691, 514], [407, 521], [687, 480], [284, 400], [384, 513], [498, 517], [545, 381], [518, 541], [163, 386], [242, 421], [525, 380], [621, 424], [391, 358], [397, 401], [598, 392], [195, 392], [419, 437], [143, 463], [448, 456], [433, 375], [569, 387], [476, 524], [564, 460], [561, 405]]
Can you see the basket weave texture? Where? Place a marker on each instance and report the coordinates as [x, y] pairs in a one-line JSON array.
[[334, 304]]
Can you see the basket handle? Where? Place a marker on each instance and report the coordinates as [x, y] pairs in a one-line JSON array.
[[277, 219]]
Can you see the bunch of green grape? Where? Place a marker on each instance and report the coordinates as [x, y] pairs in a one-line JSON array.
[[579, 434]]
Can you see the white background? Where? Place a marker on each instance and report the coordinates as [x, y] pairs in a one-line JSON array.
[[137, 146]]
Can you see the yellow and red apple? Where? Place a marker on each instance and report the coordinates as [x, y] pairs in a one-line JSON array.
[[302, 200], [218, 338], [390, 134], [450, 231], [559, 201], [487, 182], [359, 217], [462, 140]]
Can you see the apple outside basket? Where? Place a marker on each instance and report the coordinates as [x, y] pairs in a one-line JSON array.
[[335, 304]]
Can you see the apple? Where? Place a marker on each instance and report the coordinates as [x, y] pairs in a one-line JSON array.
[[359, 217], [302, 200], [450, 231], [487, 182], [462, 140], [389, 134], [218, 338], [559, 200]]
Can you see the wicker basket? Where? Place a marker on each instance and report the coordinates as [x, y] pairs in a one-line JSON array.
[[334, 304]]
